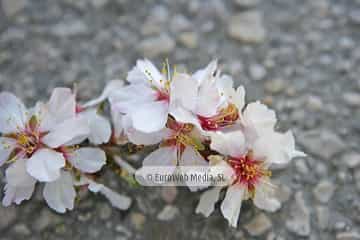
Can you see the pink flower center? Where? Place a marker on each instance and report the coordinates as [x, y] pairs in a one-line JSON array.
[[162, 96], [225, 117], [181, 136], [248, 171]]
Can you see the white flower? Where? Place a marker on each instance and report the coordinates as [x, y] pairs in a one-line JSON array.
[[180, 146], [206, 99], [146, 99], [250, 150], [100, 128], [41, 143]]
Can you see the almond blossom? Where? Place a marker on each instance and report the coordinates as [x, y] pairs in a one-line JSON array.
[[146, 99], [249, 150], [180, 146], [207, 99], [41, 145]]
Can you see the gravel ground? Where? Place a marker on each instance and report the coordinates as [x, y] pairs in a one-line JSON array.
[[300, 57]]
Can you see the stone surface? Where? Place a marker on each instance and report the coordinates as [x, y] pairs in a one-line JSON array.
[[300, 213], [8, 216], [312, 46], [246, 3], [348, 236], [168, 213], [257, 72], [351, 159], [259, 225], [323, 216], [324, 191], [275, 86], [12, 7], [155, 46], [247, 27], [352, 99], [323, 143]]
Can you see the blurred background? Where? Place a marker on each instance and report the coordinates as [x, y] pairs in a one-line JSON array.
[[301, 57]]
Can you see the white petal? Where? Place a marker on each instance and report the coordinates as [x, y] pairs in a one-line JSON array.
[[190, 157], [184, 91], [183, 115], [88, 160], [100, 128], [259, 117], [112, 86], [229, 143], [117, 120], [209, 99], [20, 185], [72, 130], [239, 98], [62, 104], [129, 96], [117, 200], [264, 198], [207, 73], [207, 201], [231, 205], [45, 165], [142, 138], [276, 147], [17, 194], [17, 176], [143, 72], [150, 117], [12, 113], [7, 145], [60, 194], [164, 156]]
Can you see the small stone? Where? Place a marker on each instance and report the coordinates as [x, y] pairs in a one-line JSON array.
[[123, 230], [46, 218], [168, 213], [246, 3], [324, 191], [257, 72], [301, 166], [351, 159], [300, 217], [99, 3], [21, 229], [323, 216], [155, 46], [247, 27], [259, 225], [189, 39], [104, 211], [357, 179], [69, 29], [275, 86], [322, 143], [352, 99], [8, 215], [169, 193], [348, 236], [138, 220], [180, 23], [314, 103], [12, 7], [283, 193], [355, 16]]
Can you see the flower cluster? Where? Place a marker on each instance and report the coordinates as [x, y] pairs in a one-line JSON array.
[[195, 119]]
